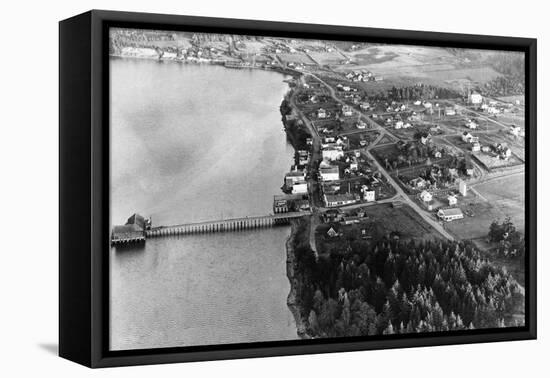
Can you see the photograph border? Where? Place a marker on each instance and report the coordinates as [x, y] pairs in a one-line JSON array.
[[86, 340]]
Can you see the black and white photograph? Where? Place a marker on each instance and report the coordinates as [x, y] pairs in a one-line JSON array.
[[255, 189], [273, 189]]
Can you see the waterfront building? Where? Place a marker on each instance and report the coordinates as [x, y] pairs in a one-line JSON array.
[[132, 231], [299, 187], [294, 176]]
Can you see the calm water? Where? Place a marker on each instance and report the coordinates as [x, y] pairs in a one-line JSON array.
[[192, 143]]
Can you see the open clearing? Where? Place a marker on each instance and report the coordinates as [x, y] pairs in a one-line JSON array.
[[499, 198]]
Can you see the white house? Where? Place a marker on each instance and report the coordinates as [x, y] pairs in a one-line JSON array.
[[452, 200], [475, 98], [321, 113], [347, 111], [361, 125], [476, 146], [466, 137], [426, 196], [364, 106], [471, 124], [398, 125], [493, 110], [450, 111], [449, 215], [369, 195]]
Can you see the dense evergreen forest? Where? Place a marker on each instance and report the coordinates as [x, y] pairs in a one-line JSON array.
[[391, 286]]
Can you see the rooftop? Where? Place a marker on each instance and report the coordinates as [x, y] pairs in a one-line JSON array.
[[451, 211]]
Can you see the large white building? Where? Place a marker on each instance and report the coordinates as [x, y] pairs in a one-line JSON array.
[[475, 98], [449, 215], [299, 188], [332, 153], [332, 200], [329, 173]]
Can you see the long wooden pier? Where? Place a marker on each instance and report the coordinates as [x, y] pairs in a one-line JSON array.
[[226, 225]]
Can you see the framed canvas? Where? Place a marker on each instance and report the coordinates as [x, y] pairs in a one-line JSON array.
[[234, 188]]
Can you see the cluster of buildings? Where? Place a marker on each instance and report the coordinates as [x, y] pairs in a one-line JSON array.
[[362, 75]]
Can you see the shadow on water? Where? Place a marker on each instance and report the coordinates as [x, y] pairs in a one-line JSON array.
[[51, 348], [129, 248]]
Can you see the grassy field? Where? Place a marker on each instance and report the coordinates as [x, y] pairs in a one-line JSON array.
[[327, 58], [295, 58], [498, 199], [380, 221]]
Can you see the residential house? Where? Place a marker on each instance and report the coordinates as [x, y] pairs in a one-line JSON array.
[[347, 111], [450, 111], [493, 110], [364, 106], [466, 137], [471, 124], [475, 98], [451, 214], [418, 183], [332, 233], [303, 157], [369, 195], [476, 147], [321, 113], [452, 200], [426, 196]]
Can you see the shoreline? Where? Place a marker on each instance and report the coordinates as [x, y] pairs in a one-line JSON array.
[[291, 300], [291, 266], [291, 271], [213, 62]]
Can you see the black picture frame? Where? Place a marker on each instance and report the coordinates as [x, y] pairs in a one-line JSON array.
[[84, 190]]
